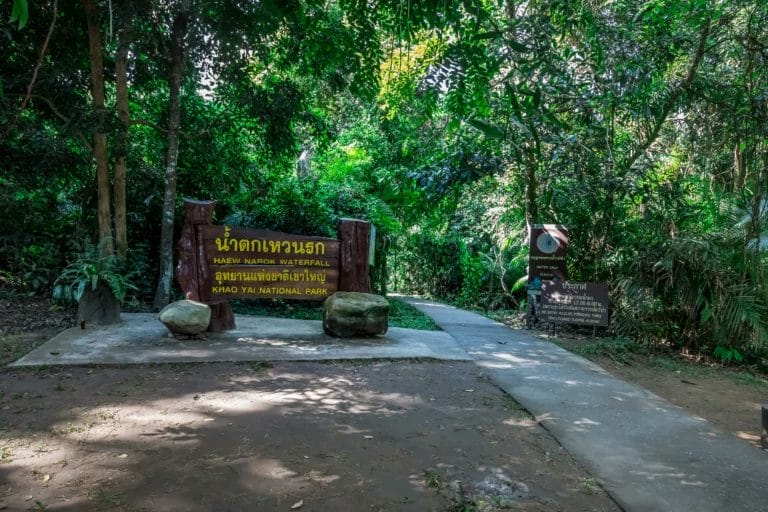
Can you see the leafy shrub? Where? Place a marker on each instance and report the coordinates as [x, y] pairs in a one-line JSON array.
[[91, 267], [703, 294]]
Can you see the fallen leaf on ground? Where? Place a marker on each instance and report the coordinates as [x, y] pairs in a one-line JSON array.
[[297, 505], [122, 456], [368, 437]]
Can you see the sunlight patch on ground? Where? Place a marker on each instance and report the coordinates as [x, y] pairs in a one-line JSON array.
[[520, 422], [515, 359], [748, 436]]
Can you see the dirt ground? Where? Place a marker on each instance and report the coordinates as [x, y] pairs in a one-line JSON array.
[[386, 436], [382, 436]]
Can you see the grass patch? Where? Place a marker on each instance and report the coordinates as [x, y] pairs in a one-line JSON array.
[[589, 485], [105, 498], [620, 350], [400, 313], [13, 347], [433, 480]]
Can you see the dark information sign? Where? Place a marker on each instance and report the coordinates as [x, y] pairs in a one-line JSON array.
[[252, 263], [574, 303], [548, 246]]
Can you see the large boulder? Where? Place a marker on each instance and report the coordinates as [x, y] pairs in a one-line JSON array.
[[349, 314], [186, 317]]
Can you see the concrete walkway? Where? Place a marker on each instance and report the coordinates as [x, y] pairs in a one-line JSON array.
[[141, 338], [648, 454]]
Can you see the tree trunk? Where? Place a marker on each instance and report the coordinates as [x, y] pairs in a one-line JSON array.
[[121, 151], [531, 188], [739, 167], [99, 133], [178, 32]]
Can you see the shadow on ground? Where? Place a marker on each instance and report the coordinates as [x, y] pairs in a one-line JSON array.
[[382, 436]]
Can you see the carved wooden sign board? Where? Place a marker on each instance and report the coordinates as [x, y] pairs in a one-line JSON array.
[[259, 264], [217, 263]]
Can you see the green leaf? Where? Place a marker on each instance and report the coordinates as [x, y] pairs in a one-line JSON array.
[[20, 13], [489, 130]]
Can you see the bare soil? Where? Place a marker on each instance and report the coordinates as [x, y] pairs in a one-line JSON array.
[[387, 436], [380, 436]]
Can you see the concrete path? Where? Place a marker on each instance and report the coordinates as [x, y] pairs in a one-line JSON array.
[[140, 338], [647, 453]]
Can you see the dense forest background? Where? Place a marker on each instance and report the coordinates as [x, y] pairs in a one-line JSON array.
[[451, 125]]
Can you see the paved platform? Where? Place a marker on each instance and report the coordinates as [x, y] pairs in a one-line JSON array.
[[649, 454], [141, 338]]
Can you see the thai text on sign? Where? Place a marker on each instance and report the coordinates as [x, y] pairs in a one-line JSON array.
[[250, 263], [575, 303]]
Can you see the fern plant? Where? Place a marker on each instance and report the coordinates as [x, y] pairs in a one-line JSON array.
[[92, 267], [707, 292]]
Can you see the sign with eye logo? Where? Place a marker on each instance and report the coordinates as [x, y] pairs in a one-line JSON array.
[[548, 247]]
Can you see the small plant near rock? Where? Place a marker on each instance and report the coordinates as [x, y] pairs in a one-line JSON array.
[[92, 268]]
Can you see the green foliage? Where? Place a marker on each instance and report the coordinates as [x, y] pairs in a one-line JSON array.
[[400, 313], [727, 354], [707, 292], [92, 268], [20, 13], [450, 126]]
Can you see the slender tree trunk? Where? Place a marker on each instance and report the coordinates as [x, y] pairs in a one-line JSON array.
[[178, 32], [99, 133], [121, 151], [531, 188], [739, 167]]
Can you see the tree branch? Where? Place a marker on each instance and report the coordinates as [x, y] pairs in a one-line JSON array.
[[672, 99], [58, 114], [39, 64]]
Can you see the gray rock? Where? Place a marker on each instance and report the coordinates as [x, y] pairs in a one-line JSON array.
[[186, 317], [98, 307], [349, 314]]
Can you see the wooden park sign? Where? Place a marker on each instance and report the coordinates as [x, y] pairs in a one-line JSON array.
[[217, 263], [257, 264], [574, 303]]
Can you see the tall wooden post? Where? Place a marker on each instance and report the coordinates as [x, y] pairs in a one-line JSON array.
[[192, 270], [355, 236]]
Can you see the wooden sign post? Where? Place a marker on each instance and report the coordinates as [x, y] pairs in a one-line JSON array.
[[217, 263]]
